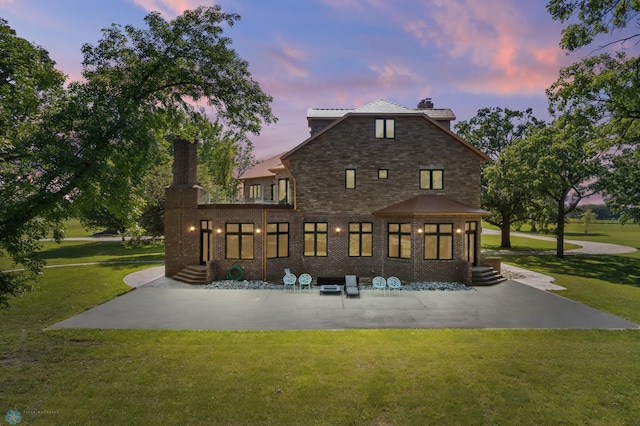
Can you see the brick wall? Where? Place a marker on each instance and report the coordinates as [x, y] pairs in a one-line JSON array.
[[182, 228], [319, 167]]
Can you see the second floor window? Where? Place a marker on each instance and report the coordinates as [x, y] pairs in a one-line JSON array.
[[255, 191], [361, 239], [277, 240], [399, 237], [385, 128], [239, 240], [315, 238], [283, 191], [431, 179]]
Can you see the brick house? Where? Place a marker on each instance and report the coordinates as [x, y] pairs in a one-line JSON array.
[[378, 190]]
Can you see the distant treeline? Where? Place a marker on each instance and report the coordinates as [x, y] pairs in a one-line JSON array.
[[601, 211]]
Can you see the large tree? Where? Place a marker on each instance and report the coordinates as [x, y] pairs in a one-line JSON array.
[[605, 87], [94, 142], [30, 88], [561, 162], [508, 198]]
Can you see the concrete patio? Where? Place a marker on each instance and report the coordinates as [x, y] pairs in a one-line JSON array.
[[162, 303]]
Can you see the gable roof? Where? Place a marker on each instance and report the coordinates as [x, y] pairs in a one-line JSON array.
[[429, 205], [378, 106], [264, 169]]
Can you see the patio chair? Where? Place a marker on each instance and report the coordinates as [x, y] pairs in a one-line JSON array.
[[379, 283], [394, 284], [304, 280], [351, 287], [289, 280]]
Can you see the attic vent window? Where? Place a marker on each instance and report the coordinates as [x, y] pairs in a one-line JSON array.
[[385, 128]]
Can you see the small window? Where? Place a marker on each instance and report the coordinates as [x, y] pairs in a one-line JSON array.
[[383, 173], [350, 178], [385, 128], [431, 179]]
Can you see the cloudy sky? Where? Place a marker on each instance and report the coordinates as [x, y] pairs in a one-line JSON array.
[[465, 54]]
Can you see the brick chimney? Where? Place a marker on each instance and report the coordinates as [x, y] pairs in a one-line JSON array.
[[181, 223], [426, 103], [184, 162]]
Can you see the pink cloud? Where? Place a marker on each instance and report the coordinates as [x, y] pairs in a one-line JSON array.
[[495, 36], [289, 57], [392, 75], [168, 8]]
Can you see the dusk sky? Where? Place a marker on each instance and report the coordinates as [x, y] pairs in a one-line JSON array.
[[465, 54]]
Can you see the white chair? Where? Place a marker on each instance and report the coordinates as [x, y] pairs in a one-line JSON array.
[[379, 283], [394, 284], [304, 280], [289, 280]]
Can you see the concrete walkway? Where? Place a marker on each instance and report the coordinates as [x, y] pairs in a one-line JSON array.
[[586, 247], [545, 282]]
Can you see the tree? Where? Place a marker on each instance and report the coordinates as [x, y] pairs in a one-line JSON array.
[[621, 184], [561, 161], [494, 129], [508, 198], [30, 88], [217, 153], [595, 17], [605, 88], [588, 217], [147, 81], [91, 144]]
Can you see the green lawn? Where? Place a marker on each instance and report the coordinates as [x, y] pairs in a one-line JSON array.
[[359, 377], [71, 252], [75, 230]]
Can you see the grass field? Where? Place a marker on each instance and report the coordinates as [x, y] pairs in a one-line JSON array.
[[358, 377]]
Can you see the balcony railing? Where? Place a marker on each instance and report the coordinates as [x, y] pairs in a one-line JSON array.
[[209, 198]]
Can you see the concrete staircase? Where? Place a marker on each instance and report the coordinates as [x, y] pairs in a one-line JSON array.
[[485, 275], [194, 274]]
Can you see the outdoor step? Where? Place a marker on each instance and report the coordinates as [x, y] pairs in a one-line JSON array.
[[194, 274], [485, 276]]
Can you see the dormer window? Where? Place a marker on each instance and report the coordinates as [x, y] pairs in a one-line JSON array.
[[385, 128]]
